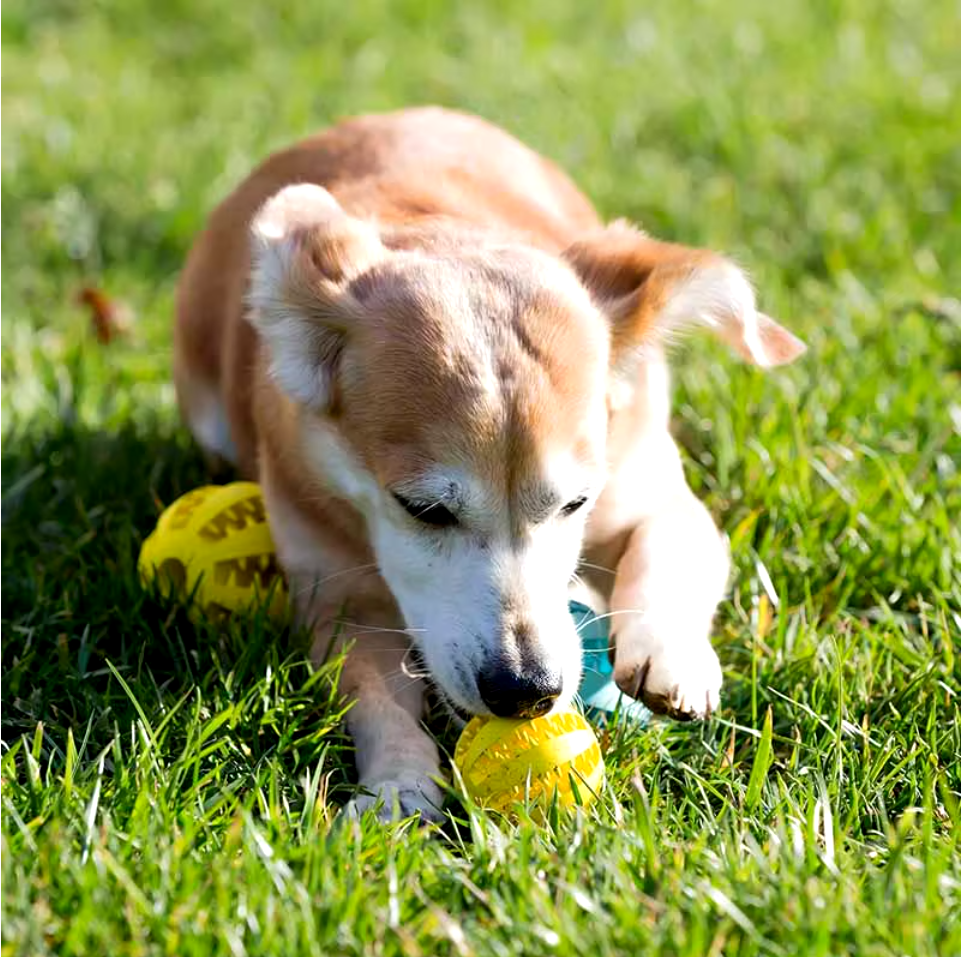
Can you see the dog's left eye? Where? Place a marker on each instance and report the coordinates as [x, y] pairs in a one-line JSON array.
[[430, 514], [571, 507]]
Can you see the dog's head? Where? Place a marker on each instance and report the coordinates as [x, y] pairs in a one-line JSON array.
[[459, 398]]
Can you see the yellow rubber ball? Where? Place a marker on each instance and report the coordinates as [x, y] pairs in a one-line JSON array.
[[505, 762], [214, 543]]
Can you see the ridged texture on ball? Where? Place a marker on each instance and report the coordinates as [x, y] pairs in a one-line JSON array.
[[216, 540], [503, 761]]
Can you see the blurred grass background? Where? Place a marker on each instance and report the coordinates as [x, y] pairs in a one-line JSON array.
[[169, 791]]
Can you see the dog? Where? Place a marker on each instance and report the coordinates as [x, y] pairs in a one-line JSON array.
[[449, 377]]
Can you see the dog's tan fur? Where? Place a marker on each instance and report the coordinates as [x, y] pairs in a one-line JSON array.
[[448, 317]]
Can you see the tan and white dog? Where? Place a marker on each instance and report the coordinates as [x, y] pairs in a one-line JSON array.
[[449, 378]]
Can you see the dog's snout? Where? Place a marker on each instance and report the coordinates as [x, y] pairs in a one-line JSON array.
[[518, 692]]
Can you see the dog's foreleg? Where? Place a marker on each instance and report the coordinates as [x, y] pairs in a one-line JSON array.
[[667, 586], [398, 764]]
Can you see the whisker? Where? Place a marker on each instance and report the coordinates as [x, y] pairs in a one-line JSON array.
[[600, 568], [370, 629], [379, 649], [404, 680], [352, 633], [611, 614], [411, 676], [313, 585], [413, 654], [611, 646]]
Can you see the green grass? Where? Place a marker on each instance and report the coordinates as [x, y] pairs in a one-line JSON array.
[[168, 790]]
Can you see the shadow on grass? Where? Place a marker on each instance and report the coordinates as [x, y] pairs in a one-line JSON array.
[[77, 504]]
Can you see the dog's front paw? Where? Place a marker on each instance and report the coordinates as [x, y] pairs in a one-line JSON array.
[[682, 680], [398, 800]]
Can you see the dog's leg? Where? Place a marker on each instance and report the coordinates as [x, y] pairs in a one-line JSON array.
[[345, 607], [667, 586], [397, 760]]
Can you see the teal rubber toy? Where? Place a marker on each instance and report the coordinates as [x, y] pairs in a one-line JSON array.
[[602, 699]]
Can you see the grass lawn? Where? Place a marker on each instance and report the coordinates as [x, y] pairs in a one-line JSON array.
[[173, 790]]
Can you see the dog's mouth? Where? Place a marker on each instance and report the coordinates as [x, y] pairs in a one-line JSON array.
[[452, 708], [437, 697], [457, 711], [415, 665]]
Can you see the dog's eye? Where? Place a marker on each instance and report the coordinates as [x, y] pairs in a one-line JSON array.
[[571, 507], [430, 514]]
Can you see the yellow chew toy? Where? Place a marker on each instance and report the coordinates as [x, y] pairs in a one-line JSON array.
[[503, 761], [215, 544]]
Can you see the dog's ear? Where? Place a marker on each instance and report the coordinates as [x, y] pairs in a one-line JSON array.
[[651, 290], [306, 250]]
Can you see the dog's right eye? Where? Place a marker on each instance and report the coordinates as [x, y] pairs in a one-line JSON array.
[[571, 507], [429, 513]]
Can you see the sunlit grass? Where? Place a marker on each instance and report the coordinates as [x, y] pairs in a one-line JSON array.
[[169, 789]]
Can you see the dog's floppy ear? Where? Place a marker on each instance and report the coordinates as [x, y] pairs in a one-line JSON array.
[[651, 290], [306, 249]]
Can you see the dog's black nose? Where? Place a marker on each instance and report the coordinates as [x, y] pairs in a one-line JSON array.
[[513, 693]]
